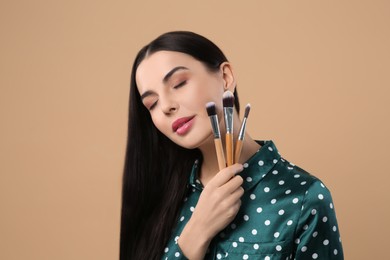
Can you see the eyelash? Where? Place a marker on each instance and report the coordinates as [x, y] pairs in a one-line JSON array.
[[181, 84]]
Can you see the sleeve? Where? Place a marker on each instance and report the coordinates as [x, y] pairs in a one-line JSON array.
[[173, 251], [317, 234]]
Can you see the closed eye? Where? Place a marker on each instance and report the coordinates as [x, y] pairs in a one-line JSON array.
[[153, 105], [181, 84]]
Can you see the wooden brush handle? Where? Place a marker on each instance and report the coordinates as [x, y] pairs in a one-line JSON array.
[[238, 151], [220, 155], [229, 149]]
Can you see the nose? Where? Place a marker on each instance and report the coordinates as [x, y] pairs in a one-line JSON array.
[[169, 106]]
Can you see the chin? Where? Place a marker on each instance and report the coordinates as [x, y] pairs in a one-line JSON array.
[[192, 142]]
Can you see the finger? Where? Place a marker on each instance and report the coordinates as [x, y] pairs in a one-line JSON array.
[[226, 174], [233, 184], [236, 195]]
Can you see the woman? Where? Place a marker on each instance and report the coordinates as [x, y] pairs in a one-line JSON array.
[[176, 204]]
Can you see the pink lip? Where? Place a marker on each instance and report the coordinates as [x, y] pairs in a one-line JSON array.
[[182, 125]]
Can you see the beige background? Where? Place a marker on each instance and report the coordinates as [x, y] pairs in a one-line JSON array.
[[315, 72]]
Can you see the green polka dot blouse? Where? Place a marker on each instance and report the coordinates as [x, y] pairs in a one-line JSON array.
[[286, 213]]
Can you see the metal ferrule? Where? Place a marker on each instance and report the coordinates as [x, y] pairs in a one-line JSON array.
[[242, 130], [215, 126], [228, 113]]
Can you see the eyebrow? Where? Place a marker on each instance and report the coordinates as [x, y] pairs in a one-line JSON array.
[[169, 74], [165, 80]]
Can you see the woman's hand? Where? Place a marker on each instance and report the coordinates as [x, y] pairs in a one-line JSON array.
[[218, 205]]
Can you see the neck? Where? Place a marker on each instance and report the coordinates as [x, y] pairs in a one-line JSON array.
[[209, 166]]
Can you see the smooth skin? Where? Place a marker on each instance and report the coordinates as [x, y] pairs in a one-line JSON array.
[[174, 85]]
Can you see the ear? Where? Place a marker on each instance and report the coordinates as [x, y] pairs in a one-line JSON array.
[[228, 76]]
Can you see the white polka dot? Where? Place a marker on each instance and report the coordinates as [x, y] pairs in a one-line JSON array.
[[303, 249], [275, 161], [320, 196], [249, 179], [322, 185], [192, 209], [245, 256], [261, 163], [267, 258], [331, 205], [267, 222], [270, 148], [290, 168], [287, 192], [252, 196], [281, 212], [326, 242], [182, 218], [273, 201], [177, 254], [266, 189], [276, 234], [274, 172], [292, 164], [219, 256], [256, 246], [315, 256], [334, 228], [297, 241], [324, 219], [245, 165], [305, 227], [315, 233], [289, 223], [313, 211], [176, 238], [262, 176], [166, 250], [246, 217], [241, 239], [281, 182], [259, 210], [297, 176], [193, 190], [226, 254], [254, 232], [335, 252], [234, 244], [278, 248], [295, 200], [233, 226], [303, 183]]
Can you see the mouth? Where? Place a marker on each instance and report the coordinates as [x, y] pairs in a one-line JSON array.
[[182, 125]]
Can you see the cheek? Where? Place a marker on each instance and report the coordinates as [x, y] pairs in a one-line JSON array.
[[160, 123], [204, 92]]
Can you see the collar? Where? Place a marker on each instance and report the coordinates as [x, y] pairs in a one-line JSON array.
[[255, 168]]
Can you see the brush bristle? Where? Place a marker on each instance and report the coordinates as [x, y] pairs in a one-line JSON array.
[[210, 107], [228, 99], [247, 110]]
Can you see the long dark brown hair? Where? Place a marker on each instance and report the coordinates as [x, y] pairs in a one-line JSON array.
[[156, 170]]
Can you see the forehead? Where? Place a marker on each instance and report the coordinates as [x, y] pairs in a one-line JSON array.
[[153, 68]]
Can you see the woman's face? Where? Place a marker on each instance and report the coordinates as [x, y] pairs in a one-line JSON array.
[[175, 88]]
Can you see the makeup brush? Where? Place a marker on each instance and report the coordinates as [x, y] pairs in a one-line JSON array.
[[241, 134], [211, 111], [228, 101]]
